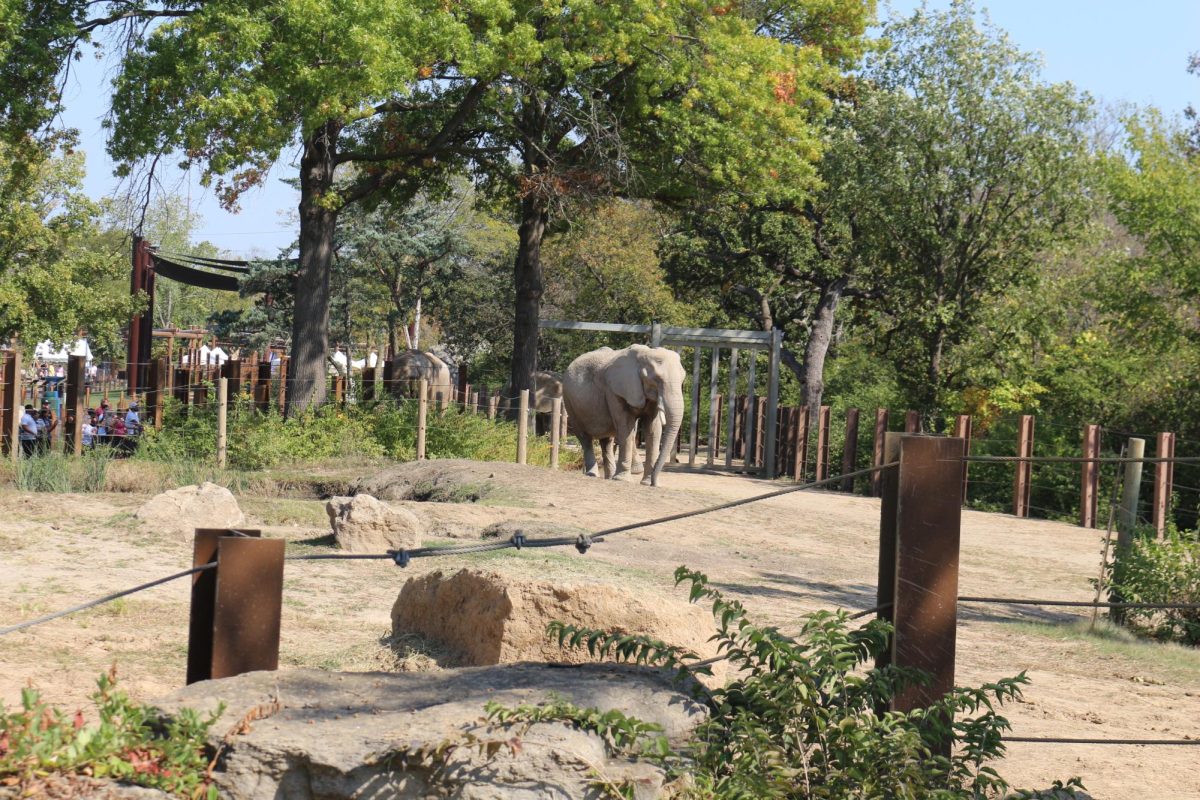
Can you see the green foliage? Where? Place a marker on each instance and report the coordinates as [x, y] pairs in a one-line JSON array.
[[800, 718], [56, 472], [129, 743], [1164, 570], [619, 732]]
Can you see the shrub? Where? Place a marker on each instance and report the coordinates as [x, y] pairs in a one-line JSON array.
[[1160, 571], [55, 472], [800, 718], [129, 743]]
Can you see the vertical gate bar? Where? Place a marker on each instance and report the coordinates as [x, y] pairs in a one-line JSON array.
[[73, 411], [963, 430], [12, 402], [1089, 488], [928, 530], [1164, 448], [694, 428], [912, 421], [881, 425], [731, 406], [800, 470], [772, 432], [714, 405], [231, 370], [822, 443], [850, 449], [749, 428], [887, 451], [1021, 480]]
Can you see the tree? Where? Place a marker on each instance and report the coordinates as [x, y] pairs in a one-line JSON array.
[[57, 277], [659, 99], [968, 170]]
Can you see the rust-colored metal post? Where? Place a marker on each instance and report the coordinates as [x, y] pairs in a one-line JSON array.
[[11, 413], [369, 376], [262, 387], [850, 449], [881, 425], [231, 371], [1164, 478], [924, 575], [234, 623], [912, 421], [822, 443], [283, 383], [800, 466], [156, 392], [962, 430], [72, 410], [1089, 489], [1021, 480], [339, 390]]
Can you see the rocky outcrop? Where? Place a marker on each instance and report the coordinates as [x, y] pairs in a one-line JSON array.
[[180, 511], [487, 618], [362, 524], [307, 734]]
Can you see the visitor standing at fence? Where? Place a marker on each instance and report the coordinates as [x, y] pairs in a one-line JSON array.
[[89, 430], [133, 422], [29, 432]]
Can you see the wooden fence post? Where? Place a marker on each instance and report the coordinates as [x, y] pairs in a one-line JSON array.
[[1089, 489], [283, 383], [181, 391], [422, 416], [1024, 472], [963, 430], [922, 519], [73, 410], [555, 432], [877, 456], [800, 467], [760, 434], [1164, 479], [850, 449], [231, 370], [369, 376], [12, 405], [493, 406], [222, 418], [523, 427], [235, 611], [1127, 514], [912, 421], [822, 443], [262, 387]]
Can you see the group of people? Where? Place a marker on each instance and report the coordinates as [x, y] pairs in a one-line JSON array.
[[102, 426]]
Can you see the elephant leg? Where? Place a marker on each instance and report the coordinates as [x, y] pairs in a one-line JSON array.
[[653, 439], [589, 455], [635, 467], [606, 452]]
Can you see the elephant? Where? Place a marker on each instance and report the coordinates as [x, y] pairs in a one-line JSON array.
[[546, 387], [411, 366], [607, 392]]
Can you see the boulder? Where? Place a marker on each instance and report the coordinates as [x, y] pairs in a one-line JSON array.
[[487, 618], [362, 524], [184, 509], [307, 734]]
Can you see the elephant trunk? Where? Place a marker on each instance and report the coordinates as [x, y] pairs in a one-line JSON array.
[[671, 402]]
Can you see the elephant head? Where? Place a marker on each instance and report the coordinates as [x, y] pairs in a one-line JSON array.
[[650, 381]]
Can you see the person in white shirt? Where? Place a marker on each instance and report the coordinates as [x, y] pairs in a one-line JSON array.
[[133, 423], [89, 430], [29, 432]]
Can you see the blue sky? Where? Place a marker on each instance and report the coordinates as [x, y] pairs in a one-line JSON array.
[[1116, 50]]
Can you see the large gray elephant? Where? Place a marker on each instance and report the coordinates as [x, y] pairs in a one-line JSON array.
[[409, 367], [607, 392]]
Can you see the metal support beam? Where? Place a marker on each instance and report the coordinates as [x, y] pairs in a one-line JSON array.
[[822, 443], [772, 422], [962, 430], [881, 424], [714, 406], [731, 406], [694, 427], [850, 449]]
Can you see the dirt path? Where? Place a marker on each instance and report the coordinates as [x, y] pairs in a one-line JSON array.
[[782, 557]]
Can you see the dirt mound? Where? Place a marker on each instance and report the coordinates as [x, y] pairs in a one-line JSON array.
[[362, 524], [181, 511], [532, 528], [452, 481], [487, 618]]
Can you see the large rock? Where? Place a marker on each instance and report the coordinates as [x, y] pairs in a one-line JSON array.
[[487, 618], [307, 734], [184, 509], [362, 524]]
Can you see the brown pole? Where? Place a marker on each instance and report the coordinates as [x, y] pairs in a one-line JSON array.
[[1021, 480], [822, 443], [12, 404], [962, 430], [881, 424], [72, 416], [850, 449], [912, 421], [1090, 477], [1163, 479], [800, 468]]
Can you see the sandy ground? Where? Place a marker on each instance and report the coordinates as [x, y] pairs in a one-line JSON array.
[[781, 557]]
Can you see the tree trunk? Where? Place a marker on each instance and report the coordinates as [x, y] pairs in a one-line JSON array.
[[310, 323], [528, 281], [812, 377]]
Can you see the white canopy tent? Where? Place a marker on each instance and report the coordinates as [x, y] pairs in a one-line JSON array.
[[47, 352]]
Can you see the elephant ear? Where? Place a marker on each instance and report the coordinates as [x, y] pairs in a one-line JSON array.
[[623, 376]]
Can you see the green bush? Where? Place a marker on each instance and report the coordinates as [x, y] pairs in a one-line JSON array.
[[55, 472], [800, 718], [129, 743], [1160, 571]]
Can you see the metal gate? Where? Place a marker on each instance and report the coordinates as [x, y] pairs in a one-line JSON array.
[[756, 425]]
